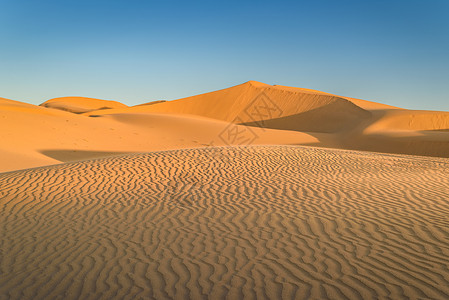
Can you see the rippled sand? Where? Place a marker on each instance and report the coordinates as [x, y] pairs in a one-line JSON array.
[[278, 222]]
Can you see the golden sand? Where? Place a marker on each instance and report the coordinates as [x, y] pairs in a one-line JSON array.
[[278, 222]]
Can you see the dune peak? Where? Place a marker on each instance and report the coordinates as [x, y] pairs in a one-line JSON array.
[[256, 83]]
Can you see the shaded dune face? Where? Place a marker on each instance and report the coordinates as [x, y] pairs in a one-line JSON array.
[[275, 222], [332, 117], [411, 120]]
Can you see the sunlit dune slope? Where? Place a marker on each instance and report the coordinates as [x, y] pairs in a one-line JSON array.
[[81, 104], [365, 104], [273, 222]]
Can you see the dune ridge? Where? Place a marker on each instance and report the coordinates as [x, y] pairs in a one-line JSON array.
[[258, 222]]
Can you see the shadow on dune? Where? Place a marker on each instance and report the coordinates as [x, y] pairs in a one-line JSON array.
[[425, 145], [346, 130], [423, 142], [330, 118], [439, 130], [75, 155]]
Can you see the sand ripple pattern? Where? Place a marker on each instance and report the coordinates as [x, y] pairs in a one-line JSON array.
[[262, 222]]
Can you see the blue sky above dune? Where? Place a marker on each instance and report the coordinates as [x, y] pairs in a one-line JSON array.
[[395, 52]]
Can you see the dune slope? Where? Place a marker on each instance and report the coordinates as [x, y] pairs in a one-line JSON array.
[[277, 222]]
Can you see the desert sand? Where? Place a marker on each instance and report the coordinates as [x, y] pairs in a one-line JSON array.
[[256, 222], [252, 192]]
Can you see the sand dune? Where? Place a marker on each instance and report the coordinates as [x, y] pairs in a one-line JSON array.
[[350, 123], [151, 103], [278, 222], [258, 104], [401, 131], [410, 120], [80, 105]]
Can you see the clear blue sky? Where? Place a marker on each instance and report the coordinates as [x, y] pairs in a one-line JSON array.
[[135, 51]]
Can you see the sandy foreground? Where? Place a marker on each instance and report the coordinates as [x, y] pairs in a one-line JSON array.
[[255, 222]]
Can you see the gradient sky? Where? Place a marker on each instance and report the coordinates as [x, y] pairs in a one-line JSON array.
[[135, 51]]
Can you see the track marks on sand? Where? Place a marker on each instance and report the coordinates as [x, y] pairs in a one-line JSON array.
[[265, 222]]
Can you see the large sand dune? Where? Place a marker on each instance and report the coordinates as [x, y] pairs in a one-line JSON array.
[[351, 123], [278, 222], [258, 104]]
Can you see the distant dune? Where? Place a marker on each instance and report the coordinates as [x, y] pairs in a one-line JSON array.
[[152, 102], [80, 105], [277, 222]]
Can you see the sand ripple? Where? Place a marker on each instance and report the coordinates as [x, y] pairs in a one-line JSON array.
[[265, 222]]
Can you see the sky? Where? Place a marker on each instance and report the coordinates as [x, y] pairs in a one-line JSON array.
[[135, 51]]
